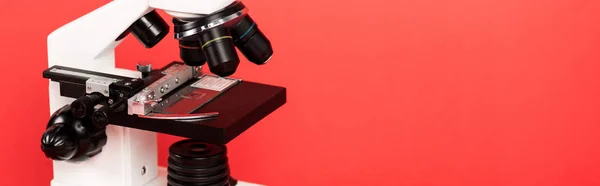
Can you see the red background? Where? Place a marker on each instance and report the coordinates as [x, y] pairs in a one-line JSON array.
[[428, 92]]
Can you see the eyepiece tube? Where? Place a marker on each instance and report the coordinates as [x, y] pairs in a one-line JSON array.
[[150, 29]]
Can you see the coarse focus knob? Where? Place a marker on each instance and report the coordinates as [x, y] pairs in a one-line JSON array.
[[68, 138], [57, 143]]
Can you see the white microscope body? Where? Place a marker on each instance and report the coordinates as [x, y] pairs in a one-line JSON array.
[[130, 156]]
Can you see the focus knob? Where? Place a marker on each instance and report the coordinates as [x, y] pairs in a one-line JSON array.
[[84, 106], [57, 143], [68, 138]]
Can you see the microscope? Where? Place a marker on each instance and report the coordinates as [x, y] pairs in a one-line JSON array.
[[104, 120]]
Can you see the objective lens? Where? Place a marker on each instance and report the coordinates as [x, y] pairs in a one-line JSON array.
[[191, 53], [219, 49], [150, 29], [251, 41]]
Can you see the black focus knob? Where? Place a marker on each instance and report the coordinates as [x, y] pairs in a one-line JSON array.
[[58, 144], [100, 118], [58, 141], [84, 106], [68, 138]]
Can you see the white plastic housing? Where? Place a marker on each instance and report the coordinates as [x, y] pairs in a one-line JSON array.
[[190, 8], [130, 156], [162, 180]]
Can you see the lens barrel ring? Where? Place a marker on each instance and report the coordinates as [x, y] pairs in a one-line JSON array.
[[219, 49], [255, 46], [219, 34], [185, 28], [190, 51]]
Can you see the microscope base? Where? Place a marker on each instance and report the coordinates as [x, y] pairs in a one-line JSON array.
[[161, 180]]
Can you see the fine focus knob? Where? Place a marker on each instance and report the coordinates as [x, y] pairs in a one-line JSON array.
[[84, 105], [57, 143], [100, 118]]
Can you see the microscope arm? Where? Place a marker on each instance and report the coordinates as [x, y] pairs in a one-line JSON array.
[[89, 41], [129, 157]]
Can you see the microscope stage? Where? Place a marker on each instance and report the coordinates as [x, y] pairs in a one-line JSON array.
[[239, 108]]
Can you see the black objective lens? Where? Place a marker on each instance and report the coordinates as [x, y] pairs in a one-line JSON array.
[[251, 41], [218, 47], [150, 29], [191, 53]]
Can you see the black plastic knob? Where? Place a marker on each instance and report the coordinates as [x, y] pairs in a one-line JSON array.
[[57, 143], [84, 106], [68, 138], [101, 116]]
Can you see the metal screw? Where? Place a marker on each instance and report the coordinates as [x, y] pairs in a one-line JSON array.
[[121, 95], [167, 86], [89, 88], [127, 84], [110, 101], [143, 170], [150, 96], [177, 80], [162, 89], [106, 91]]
